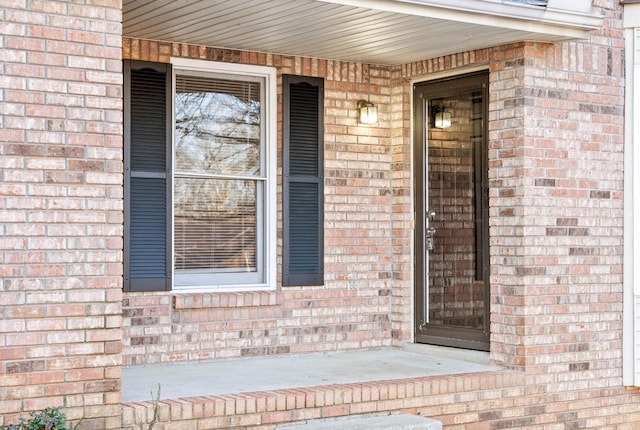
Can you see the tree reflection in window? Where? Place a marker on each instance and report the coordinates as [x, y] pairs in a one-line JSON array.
[[219, 174]]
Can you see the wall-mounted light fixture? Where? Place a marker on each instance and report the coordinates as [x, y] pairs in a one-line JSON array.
[[367, 112], [441, 117]]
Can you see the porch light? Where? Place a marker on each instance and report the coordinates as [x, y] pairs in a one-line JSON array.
[[367, 112], [441, 117]]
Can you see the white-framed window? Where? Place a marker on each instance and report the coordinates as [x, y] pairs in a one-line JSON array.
[[217, 175], [221, 176]]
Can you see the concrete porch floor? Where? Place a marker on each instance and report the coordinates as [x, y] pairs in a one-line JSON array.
[[140, 383]]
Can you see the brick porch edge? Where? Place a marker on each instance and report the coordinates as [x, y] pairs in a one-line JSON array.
[[474, 401]]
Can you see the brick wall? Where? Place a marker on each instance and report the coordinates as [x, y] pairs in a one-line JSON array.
[[556, 216], [352, 309], [556, 160], [473, 401], [60, 209], [556, 137]]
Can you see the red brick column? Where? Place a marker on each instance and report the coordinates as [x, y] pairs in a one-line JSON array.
[[61, 209], [401, 210], [507, 194], [556, 127]]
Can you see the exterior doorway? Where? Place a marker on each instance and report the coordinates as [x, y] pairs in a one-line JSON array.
[[452, 212]]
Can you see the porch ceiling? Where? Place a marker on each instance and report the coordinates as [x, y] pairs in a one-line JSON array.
[[370, 31]]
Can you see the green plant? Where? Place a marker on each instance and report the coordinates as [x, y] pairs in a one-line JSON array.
[[51, 418]]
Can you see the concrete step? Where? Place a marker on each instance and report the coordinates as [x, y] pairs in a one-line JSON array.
[[368, 422]]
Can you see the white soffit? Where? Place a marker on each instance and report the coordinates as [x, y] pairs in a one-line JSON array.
[[370, 31]]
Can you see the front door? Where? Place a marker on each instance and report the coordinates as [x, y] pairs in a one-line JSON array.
[[451, 212]]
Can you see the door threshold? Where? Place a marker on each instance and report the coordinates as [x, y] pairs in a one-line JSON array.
[[472, 356]]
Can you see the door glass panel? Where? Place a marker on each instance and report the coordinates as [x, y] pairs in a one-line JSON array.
[[457, 194]]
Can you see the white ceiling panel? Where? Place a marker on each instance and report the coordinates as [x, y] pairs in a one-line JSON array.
[[373, 31]]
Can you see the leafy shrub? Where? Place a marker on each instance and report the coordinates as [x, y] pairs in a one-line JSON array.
[[47, 419]]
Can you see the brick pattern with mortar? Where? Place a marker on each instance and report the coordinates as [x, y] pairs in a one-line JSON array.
[[555, 155], [556, 148], [61, 209], [555, 165], [474, 401]]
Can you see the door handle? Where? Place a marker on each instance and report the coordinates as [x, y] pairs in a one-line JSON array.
[[430, 231], [428, 239]]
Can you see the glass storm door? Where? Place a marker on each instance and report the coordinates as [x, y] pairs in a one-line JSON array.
[[452, 228]]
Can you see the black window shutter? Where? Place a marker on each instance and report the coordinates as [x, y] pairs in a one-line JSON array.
[[303, 189], [147, 125]]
